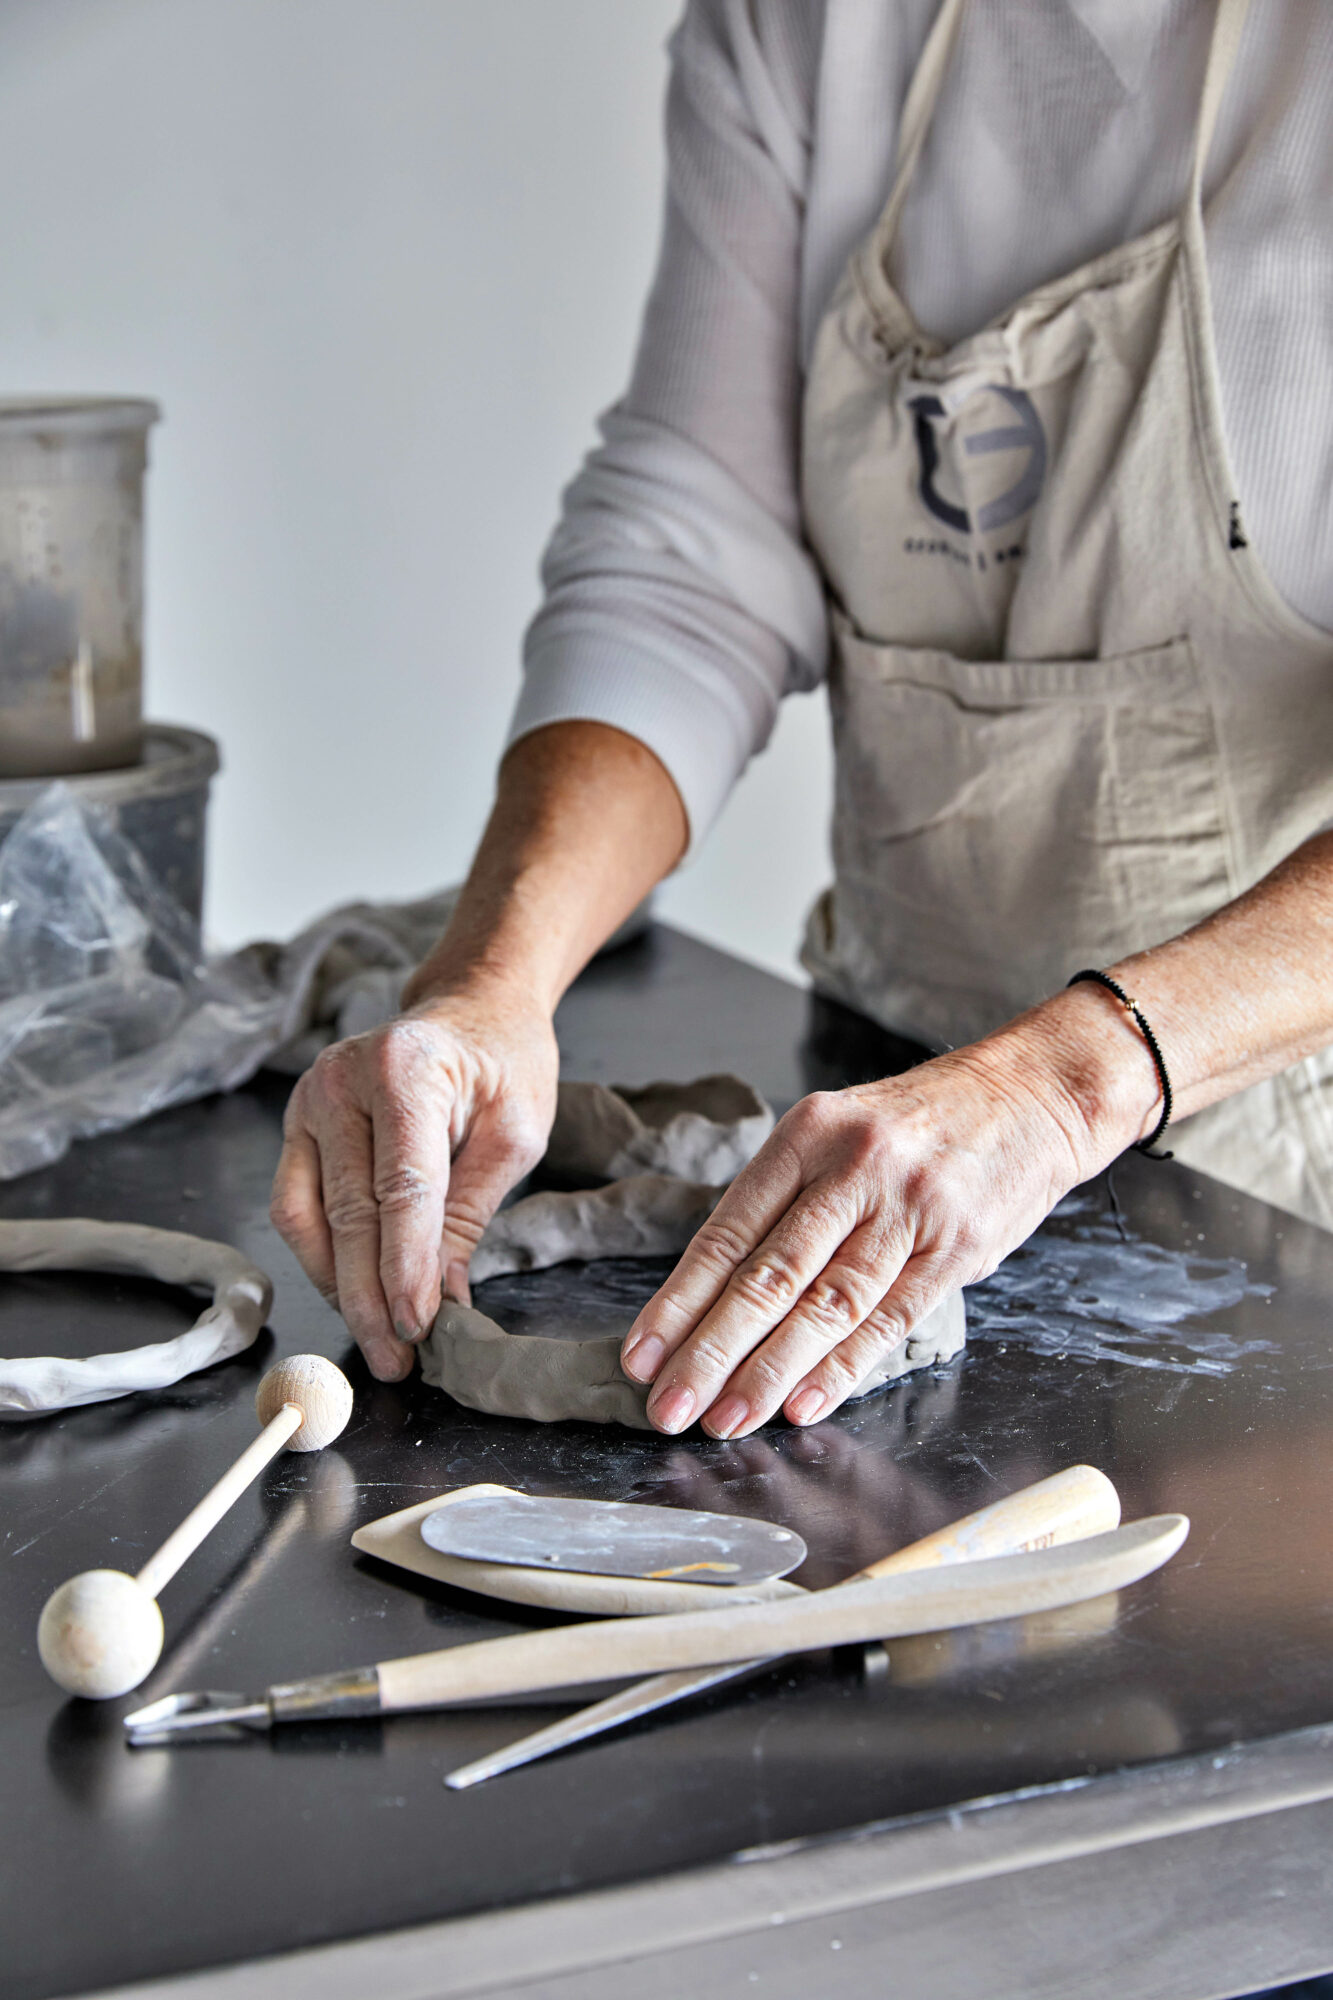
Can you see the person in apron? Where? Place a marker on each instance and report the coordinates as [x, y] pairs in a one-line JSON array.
[[1079, 735], [1048, 711]]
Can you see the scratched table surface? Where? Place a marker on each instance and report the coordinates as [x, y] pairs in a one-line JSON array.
[[1184, 1346]]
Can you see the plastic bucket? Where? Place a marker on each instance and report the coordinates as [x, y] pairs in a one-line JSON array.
[[71, 583], [160, 804]]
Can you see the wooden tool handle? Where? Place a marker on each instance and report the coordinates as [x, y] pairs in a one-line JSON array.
[[1064, 1508], [885, 1608], [179, 1546]]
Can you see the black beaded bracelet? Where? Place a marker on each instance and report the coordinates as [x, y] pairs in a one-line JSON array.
[[1131, 1007]]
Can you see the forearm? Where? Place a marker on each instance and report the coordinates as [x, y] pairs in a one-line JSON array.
[[1234, 1000], [586, 821]]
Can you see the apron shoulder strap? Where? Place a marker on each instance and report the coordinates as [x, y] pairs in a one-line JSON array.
[[918, 110], [928, 80], [1228, 27]]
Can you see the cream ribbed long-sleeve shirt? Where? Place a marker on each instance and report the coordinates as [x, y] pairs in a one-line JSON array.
[[681, 603]]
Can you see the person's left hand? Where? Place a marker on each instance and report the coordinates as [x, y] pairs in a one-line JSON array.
[[866, 1207]]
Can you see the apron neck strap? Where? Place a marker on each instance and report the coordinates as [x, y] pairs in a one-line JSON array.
[[1228, 27], [928, 80], [918, 110]]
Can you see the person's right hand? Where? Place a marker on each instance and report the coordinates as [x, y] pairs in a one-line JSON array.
[[399, 1146]]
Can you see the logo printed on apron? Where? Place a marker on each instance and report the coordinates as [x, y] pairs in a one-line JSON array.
[[1026, 437]]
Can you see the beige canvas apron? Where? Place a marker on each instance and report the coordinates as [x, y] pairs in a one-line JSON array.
[[1071, 714]]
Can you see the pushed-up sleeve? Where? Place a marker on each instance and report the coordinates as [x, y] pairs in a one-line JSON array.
[[680, 601]]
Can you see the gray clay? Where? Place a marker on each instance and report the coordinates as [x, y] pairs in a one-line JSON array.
[[701, 1131], [38, 1384], [555, 1381], [667, 1150], [938, 1337], [521, 1375], [646, 1215]]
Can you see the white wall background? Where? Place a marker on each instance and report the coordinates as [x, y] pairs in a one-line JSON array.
[[381, 261]]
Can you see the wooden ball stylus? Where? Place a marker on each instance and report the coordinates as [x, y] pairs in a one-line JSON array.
[[101, 1632]]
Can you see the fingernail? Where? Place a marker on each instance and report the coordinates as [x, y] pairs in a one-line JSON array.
[[725, 1418], [674, 1411], [806, 1405], [394, 1367], [456, 1284], [644, 1356], [405, 1322]]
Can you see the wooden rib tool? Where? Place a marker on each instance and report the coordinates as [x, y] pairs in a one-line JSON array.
[[101, 1632], [1066, 1507]]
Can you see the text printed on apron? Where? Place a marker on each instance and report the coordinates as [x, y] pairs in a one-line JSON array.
[[1071, 714]]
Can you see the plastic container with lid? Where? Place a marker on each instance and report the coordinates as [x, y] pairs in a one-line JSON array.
[[71, 583]]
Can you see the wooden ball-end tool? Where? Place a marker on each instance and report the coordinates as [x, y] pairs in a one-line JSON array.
[[529, 1662], [101, 1633], [1067, 1506]]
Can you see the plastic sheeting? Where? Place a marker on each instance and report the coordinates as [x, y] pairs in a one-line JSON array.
[[110, 1010]]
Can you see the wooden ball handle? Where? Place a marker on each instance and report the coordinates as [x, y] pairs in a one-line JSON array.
[[303, 1403], [100, 1633]]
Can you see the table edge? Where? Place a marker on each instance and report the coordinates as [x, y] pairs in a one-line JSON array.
[[759, 1890]]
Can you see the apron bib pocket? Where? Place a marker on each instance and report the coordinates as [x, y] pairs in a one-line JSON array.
[[1071, 808]]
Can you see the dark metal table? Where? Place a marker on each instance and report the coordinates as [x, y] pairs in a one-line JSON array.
[[1131, 1798]]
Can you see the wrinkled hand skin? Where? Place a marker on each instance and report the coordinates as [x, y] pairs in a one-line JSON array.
[[399, 1146], [865, 1208]]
